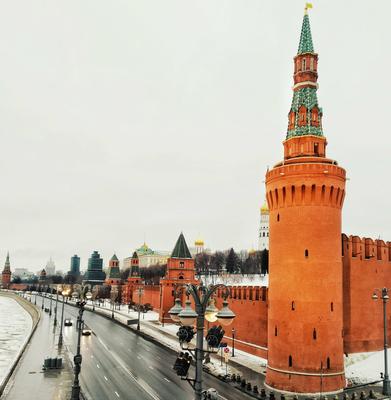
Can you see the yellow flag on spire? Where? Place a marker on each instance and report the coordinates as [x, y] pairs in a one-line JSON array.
[[307, 6]]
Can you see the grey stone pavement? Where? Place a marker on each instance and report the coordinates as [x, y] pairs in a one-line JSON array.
[[29, 381]]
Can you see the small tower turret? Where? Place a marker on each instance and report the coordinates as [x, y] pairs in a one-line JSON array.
[[114, 276], [6, 274]]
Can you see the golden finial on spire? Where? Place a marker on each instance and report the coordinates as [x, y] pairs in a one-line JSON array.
[[307, 7]]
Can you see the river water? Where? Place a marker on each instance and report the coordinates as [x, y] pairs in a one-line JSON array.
[[15, 326]]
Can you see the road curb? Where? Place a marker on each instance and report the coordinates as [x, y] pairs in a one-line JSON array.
[[35, 316]]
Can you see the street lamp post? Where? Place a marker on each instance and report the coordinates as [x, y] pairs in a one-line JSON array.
[[385, 297], [50, 307], [55, 309], [82, 296], [233, 342], [140, 293], [60, 338], [43, 300], [204, 309]]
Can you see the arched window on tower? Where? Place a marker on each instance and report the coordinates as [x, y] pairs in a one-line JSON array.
[[315, 117], [302, 116], [304, 64], [290, 362], [311, 64], [292, 117]]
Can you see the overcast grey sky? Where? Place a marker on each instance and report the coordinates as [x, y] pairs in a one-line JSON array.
[[121, 119]]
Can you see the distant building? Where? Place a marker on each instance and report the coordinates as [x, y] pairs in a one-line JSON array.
[[50, 267], [6, 274], [95, 274], [148, 257], [23, 273], [42, 277], [264, 228], [75, 266]]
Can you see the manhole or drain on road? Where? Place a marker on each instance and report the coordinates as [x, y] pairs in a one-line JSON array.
[[32, 372]]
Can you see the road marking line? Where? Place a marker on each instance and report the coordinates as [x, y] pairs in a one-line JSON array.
[[116, 394], [158, 357], [167, 380], [105, 377], [150, 367], [139, 357], [98, 365], [92, 356], [144, 385]]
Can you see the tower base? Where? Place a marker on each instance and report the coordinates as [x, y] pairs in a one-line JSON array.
[[302, 383]]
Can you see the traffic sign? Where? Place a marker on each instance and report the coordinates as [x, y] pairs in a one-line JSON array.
[[226, 350]]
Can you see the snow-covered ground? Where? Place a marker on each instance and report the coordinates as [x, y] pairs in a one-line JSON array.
[[365, 367], [237, 279], [15, 326]]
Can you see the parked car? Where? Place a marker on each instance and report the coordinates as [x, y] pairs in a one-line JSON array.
[[86, 332], [68, 322]]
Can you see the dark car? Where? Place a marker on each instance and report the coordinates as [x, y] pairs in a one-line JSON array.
[[68, 322], [86, 332]]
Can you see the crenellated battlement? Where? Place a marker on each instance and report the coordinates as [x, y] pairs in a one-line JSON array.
[[250, 293], [365, 249]]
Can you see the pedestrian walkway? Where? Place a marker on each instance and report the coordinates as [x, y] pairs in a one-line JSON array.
[[29, 381]]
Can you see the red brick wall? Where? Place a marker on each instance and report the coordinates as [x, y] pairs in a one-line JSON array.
[[366, 266], [152, 296], [250, 306]]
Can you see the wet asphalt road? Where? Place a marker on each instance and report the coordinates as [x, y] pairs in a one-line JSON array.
[[119, 364]]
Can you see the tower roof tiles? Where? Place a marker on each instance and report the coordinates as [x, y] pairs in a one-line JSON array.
[[181, 250]]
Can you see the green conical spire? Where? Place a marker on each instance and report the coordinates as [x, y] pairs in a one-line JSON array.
[[305, 45], [181, 250]]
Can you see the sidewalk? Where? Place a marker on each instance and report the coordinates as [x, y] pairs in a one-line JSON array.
[[29, 381]]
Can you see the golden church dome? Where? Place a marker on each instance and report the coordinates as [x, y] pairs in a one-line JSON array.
[[199, 242], [264, 208]]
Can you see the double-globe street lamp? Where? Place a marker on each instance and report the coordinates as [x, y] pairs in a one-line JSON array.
[[81, 298], [204, 309], [385, 297]]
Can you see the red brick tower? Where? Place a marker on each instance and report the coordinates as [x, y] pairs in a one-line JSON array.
[[6, 274], [305, 193], [134, 280], [113, 277], [180, 270]]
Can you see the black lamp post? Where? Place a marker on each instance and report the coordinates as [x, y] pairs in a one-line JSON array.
[[55, 308], [385, 297], [140, 292], [51, 298], [81, 298], [233, 342], [204, 309], [43, 300], [60, 338]]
